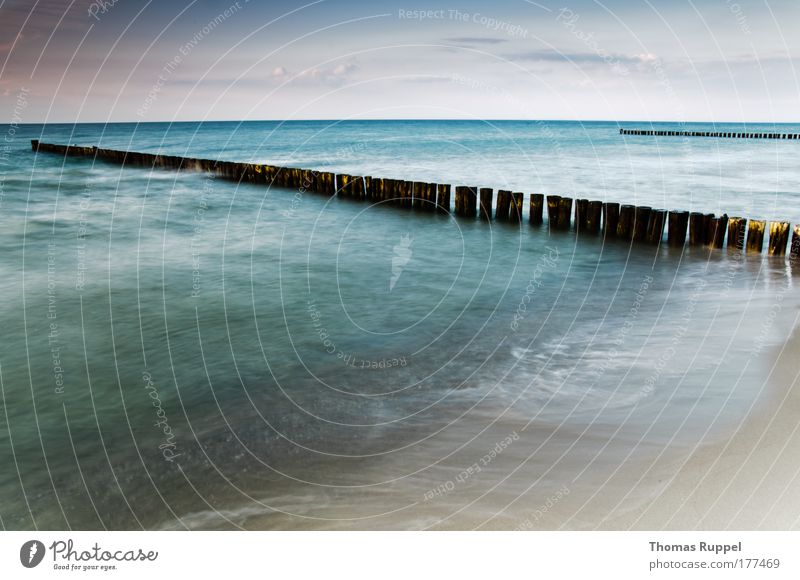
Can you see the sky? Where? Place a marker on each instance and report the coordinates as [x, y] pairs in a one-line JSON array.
[[646, 60]]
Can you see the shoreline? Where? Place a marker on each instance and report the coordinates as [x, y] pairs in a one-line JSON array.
[[747, 482]]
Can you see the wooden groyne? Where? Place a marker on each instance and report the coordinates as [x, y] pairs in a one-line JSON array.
[[718, 134], [630, 223]]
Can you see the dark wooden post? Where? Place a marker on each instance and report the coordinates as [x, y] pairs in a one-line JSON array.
[[552, 211], [408, 194], [515, 213], [736, 230], [536, 209], [794, 252], [697, 234], [610, 219], [755, 236], [625, 223], [655, 229], [564, 213], [461, 204], [356, 187], [503, 208], [400, 193], [376, 188], [778, 237], [368, 191], [581, 214], [708, 229], [676, 228], [431, 198], [640, 222], [443, 197], [593, 216], [388, 191], [719, 226], [418, 194], [486, 202], [471, 198]]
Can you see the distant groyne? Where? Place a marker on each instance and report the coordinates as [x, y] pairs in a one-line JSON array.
[[629, 223], [718, 134]]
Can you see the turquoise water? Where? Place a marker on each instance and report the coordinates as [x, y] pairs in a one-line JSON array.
[[180, 351]]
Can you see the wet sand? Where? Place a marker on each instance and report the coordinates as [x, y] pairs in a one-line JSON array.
[[749, 482]]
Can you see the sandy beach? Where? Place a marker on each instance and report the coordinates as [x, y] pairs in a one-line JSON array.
[[748, 482]]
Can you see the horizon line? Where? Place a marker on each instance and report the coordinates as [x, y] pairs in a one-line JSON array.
[[339, 120]]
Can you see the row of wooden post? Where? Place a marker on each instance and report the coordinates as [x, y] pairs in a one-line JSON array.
[[640, 224], [720, 134]]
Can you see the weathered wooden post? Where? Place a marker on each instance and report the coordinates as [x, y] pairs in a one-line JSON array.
[[552, 211], [736, 230], [404, 192], [625, 223], [319, 181], [396, 192], [697, 234], [408, 194], [443, 197], [794, 252], [536, 209], [593, 216], [424, 193], [676, 228], [430, 197], [778, 237], [386, 191], [581, 214], [641, 221], [418, 195], [610, 219], [515, 211], [471, 198], [708, 229], [503, 208], [461, 203], [655, 228], [375, 184], [368, 191], [359, 190], [350, 188], [755, 236], [719, 226], [564, 213], [485, 203]]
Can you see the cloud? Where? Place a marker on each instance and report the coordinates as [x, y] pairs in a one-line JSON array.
[[343, 69], [279, 72], [578, 57], [472, 40], [336, 74]]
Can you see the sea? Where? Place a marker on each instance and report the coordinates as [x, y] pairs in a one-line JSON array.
[[185, 352]]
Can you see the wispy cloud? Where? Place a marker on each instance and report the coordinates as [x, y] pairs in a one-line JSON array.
[[575, 57], [475, 40]]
